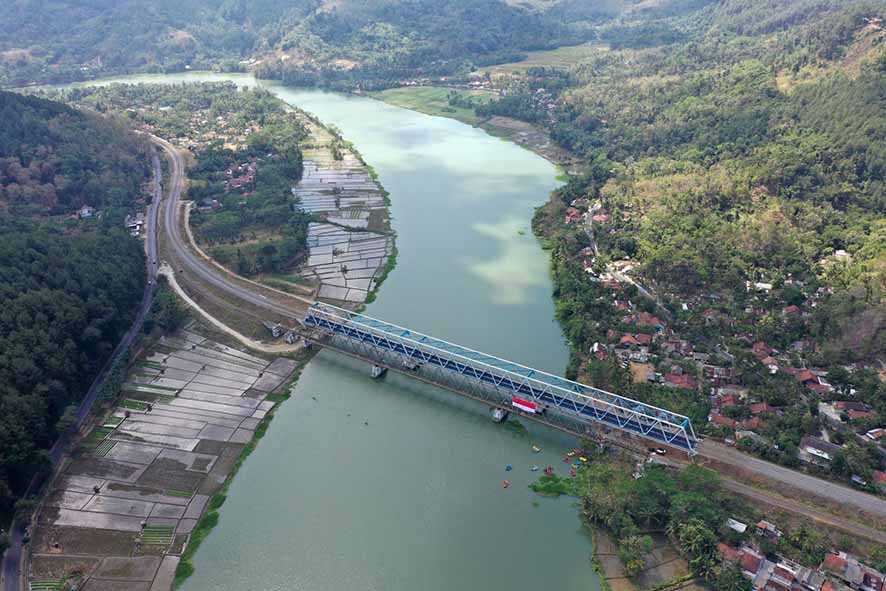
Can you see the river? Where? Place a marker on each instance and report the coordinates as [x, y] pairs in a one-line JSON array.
[[393, 485]]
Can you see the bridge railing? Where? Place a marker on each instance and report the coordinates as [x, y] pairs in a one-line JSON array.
[[551, 392]]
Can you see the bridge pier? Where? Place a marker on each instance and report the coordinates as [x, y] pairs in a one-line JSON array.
[[499, 415]]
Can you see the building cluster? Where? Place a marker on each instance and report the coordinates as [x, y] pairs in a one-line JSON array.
[[839, 571], [651, 348], [241, 176]]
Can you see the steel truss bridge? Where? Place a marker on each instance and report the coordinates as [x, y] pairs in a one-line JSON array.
[[561, 403]]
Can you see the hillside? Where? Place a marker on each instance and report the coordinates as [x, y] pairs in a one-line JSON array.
[[68, 288], [727, 235], [54, 159], [62, 40]]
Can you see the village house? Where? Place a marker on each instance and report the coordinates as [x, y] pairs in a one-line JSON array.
[[817, 451], [86, 212], [648, 320], [572, 216], [684, 381], [722, 420], [134, 223], [853, 573], [768, 530], [739, 392]]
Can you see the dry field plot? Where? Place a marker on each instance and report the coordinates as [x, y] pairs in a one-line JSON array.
[[120, 511]]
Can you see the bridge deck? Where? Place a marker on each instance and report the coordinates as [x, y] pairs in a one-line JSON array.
[[581, 402]]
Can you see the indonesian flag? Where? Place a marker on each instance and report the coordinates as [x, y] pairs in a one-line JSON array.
[[524, 405]]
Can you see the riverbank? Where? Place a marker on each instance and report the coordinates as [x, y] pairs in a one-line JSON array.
[[434, 100], [143, 486]]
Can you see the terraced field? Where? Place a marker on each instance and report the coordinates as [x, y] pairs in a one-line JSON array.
[[120, 513]]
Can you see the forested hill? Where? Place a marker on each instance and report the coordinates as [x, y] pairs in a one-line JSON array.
[[68, 288], [54, 159], [61, 40]]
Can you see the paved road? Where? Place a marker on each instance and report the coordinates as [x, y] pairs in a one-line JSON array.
[[793, 479], [191, 262], [12, 557]]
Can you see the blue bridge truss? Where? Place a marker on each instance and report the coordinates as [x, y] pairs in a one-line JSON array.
[[565, 403]]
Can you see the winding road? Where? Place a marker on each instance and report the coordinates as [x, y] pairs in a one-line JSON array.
[[202, 268]]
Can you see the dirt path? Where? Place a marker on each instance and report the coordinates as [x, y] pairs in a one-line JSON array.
[[248, 342]]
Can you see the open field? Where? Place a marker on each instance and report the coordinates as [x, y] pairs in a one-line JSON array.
[[560, 58], [120, 510], [432, 100]]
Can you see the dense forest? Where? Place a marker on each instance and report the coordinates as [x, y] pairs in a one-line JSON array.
[[67, 298], [55, 159], [68, 288]]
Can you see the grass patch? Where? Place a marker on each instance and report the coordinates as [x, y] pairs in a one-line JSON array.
[[150, 364], [389, 266], [554, 486], [47, 585], [177, 493], [434, 100], [157, 535], [96, 437], [561, 58], [134, 405]]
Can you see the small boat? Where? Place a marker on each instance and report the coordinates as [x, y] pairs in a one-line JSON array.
[[570, 453], [534, 468], [572, 472], [536, 448], [505, 483], [508, 468], [582, 458], [549, 470]]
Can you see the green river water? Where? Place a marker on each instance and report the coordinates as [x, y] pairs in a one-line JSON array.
[[413, 499]]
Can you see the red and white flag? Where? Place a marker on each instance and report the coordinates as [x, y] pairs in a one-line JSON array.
[[524, 405]]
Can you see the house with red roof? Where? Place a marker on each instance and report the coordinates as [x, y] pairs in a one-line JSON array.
[[752, 424], [629, 340], [761, 349], [750, 562], [572, 215], [643, 339], [647, 319], [685, 381], [759, 408], [861, 414], [805, 376], [729, 553], [722, 420]]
